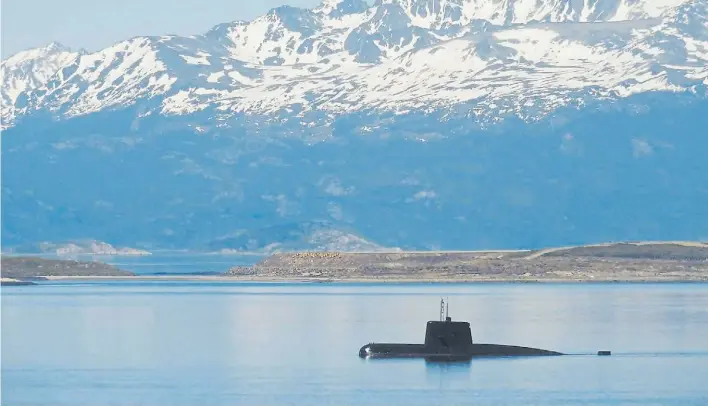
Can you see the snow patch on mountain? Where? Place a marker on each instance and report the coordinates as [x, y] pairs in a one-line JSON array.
[[26, 71]]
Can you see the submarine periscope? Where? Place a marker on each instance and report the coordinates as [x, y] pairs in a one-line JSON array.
[[448, 340]]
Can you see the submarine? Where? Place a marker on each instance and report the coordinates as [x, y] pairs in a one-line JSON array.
[[447, 340]]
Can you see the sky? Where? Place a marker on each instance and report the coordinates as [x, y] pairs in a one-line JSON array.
[[96, 24]]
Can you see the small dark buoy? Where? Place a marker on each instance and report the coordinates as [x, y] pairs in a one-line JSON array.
[[604, 353]]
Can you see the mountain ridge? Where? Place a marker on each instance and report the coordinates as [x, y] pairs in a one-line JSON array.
[[363, 125], [303, 60]]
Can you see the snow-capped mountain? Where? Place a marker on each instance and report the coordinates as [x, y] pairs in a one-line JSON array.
[[523, 57], [254, 131]]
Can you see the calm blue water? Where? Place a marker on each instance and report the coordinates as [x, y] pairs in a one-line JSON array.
[[187, 343], [179, 263]]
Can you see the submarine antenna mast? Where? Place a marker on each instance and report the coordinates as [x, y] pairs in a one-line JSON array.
[[442, 308], [447, 307]]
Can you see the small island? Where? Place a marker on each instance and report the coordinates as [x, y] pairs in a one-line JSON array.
[[19, 270]]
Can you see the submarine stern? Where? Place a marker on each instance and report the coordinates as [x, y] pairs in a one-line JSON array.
[[498, 350]]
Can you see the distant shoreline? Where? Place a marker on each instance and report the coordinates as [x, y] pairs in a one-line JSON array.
[[643, 262], [383, 280], [611, 263]]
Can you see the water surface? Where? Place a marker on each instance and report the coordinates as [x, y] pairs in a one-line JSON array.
[[188, 343]]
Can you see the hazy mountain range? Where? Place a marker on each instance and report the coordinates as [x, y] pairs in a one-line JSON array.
[[452, 124]]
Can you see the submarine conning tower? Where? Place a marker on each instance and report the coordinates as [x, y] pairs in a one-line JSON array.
[[448, 336]]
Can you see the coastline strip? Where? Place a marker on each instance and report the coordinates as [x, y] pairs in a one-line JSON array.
[[234, 278]]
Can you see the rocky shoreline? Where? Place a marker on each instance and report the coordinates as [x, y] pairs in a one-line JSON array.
[[610, 262], [626, 262], [539, 272]]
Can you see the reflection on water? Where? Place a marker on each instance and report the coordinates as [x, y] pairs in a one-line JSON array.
[[186, 343], [445, 375]]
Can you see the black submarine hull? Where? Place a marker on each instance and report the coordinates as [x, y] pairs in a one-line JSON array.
[[385, 350], [449, 340]]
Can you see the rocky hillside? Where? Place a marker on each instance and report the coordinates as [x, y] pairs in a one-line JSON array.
[[677, 261], [672, 251]]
